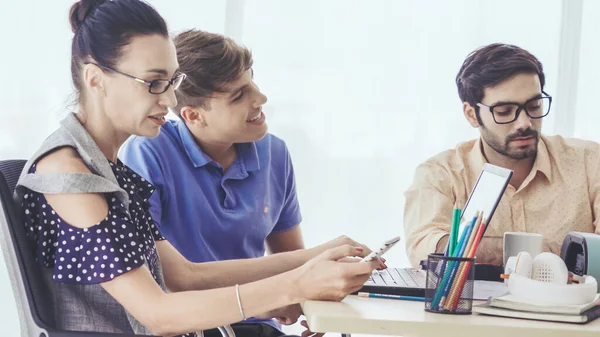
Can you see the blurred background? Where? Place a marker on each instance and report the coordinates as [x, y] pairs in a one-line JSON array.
[[361, 91]]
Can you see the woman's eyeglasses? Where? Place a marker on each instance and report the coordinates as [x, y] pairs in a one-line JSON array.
[[156, 87]]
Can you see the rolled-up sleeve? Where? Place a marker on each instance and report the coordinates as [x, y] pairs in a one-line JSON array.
[[594, 185], [428, 211]]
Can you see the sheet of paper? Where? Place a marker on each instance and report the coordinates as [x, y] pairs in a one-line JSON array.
[[485, 289]]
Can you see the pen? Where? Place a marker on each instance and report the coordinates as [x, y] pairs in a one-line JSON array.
[[392, 297]]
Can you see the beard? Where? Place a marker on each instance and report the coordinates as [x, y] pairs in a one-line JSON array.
[[504, 148]]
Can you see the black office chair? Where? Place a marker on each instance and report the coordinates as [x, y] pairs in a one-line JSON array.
[[31, 293]]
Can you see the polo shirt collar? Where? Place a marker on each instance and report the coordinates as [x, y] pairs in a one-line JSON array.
[[247, 152], [193, 151]]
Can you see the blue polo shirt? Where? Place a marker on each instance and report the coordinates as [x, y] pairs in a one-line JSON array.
[[208, 214]]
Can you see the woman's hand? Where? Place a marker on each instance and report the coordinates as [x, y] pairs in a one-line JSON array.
[[345, 240], [325, 277]]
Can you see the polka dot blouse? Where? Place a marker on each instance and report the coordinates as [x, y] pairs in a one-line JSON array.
[[112, 247], [119, 243]]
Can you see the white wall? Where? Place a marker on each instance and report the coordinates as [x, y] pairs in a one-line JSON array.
[[362, 91]]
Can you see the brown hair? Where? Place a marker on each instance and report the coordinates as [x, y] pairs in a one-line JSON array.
[[102, 28], [210, 61], [490, 65]]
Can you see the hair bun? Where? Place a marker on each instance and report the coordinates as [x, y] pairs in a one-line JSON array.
[[80, 10]]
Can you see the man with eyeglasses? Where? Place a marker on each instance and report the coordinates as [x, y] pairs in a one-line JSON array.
[[555, 187]]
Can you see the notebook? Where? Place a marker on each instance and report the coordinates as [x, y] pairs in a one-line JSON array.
[[512, 303], [585, 317]]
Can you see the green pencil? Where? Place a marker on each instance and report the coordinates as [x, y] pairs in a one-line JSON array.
[[452, 242]]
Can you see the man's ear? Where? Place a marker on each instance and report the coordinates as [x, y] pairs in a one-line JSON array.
[[470, 114], [193, 115]]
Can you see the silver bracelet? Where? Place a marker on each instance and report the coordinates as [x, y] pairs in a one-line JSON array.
[[237, 294]]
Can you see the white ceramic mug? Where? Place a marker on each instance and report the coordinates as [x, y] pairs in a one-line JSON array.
[[515, 242]]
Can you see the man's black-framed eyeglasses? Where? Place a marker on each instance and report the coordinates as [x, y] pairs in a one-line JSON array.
[[155, 87], [506, 113]]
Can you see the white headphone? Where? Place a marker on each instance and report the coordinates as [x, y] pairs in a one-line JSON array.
[[544, 279]]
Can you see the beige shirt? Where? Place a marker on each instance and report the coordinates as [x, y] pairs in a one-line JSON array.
[[561, 194]]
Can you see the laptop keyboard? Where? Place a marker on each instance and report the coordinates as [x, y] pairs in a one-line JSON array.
[[398, 277]]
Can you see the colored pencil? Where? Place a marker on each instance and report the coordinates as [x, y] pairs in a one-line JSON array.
[[456, 288], [440, 292], [392, 297], [463, 278], [449, 272], [460, 252], [452, 241]]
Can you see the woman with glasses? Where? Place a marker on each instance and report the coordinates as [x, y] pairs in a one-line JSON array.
[[107, 266]]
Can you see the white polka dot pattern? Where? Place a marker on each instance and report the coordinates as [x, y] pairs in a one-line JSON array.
[[116, 245]]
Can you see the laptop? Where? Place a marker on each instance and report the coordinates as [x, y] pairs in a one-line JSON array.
[[486, 195]]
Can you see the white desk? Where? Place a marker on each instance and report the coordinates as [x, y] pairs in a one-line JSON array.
[[407, 318]]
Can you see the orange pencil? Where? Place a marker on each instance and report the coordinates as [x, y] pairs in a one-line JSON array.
[[456, 287], [473, 234], [463, 278]]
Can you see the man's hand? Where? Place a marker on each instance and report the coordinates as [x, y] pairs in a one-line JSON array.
[[340, 241], [307, 332], [345, 240]]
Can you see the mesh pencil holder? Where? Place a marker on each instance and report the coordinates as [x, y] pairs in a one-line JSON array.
[[449, 286]]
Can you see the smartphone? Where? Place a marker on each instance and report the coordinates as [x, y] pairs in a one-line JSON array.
[[384, 248]]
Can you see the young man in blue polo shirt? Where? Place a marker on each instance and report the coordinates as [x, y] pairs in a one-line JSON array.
[[225, 187]]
